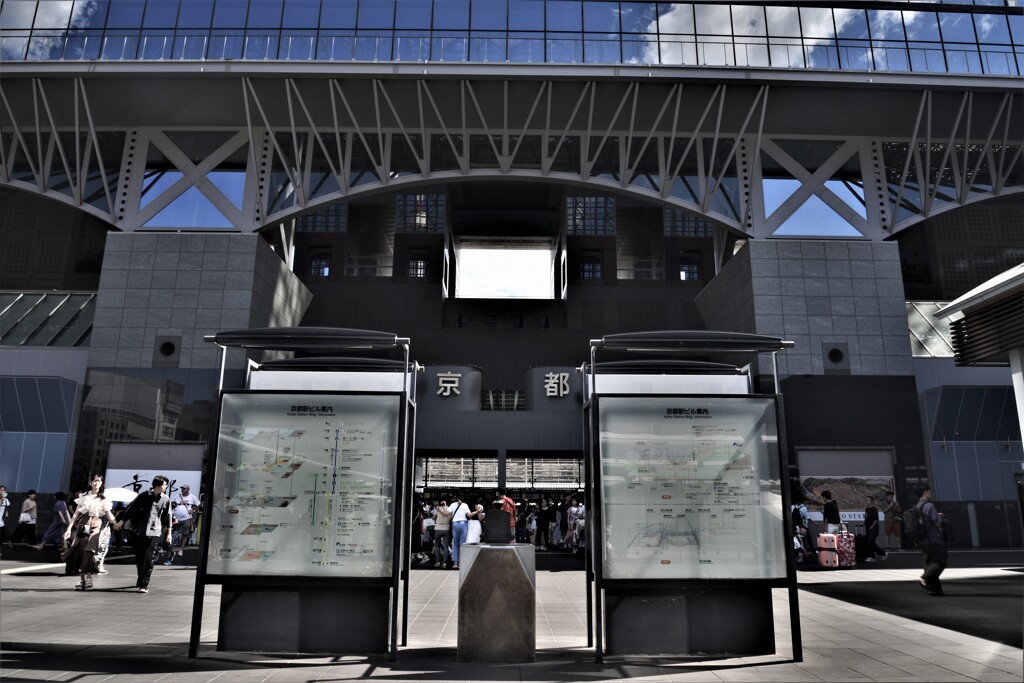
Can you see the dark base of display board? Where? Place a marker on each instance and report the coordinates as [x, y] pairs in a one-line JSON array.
[[304, 620], [689, 619]]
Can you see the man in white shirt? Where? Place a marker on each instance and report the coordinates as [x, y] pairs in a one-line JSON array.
[[191, 504]]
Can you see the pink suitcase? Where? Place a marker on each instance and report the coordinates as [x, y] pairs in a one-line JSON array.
[[828, 551], [837, 550]]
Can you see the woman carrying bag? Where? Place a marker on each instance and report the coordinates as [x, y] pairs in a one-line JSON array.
[[91, 517]]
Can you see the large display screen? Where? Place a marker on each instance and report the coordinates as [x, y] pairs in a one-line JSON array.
[[511, 271], [691, 488], [304, 485]]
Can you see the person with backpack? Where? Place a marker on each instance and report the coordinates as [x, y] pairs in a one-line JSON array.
[[928, 532], [799, 520]]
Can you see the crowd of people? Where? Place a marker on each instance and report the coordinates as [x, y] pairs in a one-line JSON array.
[[882, 520], [85, 528], [443, 525]]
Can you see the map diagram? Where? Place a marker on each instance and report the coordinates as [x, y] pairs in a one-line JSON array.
[[687, 499], [305, 492]]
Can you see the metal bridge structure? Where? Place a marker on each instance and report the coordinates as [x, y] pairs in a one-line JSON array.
[[263, 143]]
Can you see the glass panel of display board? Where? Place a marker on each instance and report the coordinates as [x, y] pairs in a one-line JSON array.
[[304, 485], [690, 488]]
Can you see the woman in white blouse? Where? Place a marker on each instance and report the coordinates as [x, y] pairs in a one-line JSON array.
[[93, 513]]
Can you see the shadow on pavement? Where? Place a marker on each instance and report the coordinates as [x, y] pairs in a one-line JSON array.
[[991, 608]]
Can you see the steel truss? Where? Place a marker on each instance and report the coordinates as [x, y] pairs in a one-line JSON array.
[[303, 144]]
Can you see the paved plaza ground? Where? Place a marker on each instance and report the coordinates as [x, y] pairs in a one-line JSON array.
[[856, 626]]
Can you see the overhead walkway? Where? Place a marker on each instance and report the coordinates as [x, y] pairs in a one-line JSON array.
[[50, 632]]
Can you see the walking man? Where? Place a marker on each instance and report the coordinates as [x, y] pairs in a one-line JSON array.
[[933, 548], [149, 519]]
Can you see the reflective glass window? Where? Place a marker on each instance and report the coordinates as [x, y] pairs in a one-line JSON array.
[[886, 24], [45, 47], [601, 48], [412, 46], [265, 14], [565, 48], [956, 27], [50, 14], [196, 14], [487, 47], [992, 28], [783, 22], [17, 14], [921, 25], [713, 20], [526, 47], [450, 48], [526, 15], [601, 17], [489, 15], [161, 14], [125, 14], [338, 14], [301, 14], [565, 16], [156, 46], [675, 18], [414, 14], [89, 14], [640, 49], [230, 13], [816, 22], [376, 14], [748, 20], [639, 17], [851, 23], [1017, 28], [28, 402], [451, 15]]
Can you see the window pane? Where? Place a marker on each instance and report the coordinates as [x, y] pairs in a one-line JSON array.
[[489, 14], [676, 18], [957, 27], [414, 14], [783, 22], [230, 13], [921, 25], [601, 48], [992, 28], [851, 23], [338, 14], [301, 13], [816, 22], [125, 14], [565, 16], [886, 24], [265, 14], [487, 47], [639, 17], [50, 14], [713, 20], [200, 14], [17, 14], [601, 17], [748, 20], [161, 14], [376, 13], [526, 15], [450, 15]]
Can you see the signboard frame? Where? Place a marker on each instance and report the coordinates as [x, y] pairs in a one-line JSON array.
[[250, 582], [663, 586]]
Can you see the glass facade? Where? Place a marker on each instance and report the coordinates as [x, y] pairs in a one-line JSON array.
[[983, 37]]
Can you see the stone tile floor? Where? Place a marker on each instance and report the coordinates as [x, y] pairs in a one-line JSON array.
[[50, 632]]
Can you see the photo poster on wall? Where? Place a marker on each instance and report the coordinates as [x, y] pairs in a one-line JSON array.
[[850, 493], [131, 465], [304, 485], [691, 488]]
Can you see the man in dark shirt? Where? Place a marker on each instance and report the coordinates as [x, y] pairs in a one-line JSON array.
[[871, 530], [831, 513], [933, 549], [150, 518]]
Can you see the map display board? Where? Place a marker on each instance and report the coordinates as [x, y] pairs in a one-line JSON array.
[[304, 485], [691, 488]]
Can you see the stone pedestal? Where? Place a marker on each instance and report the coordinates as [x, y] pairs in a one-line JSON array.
[[497, 603]]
